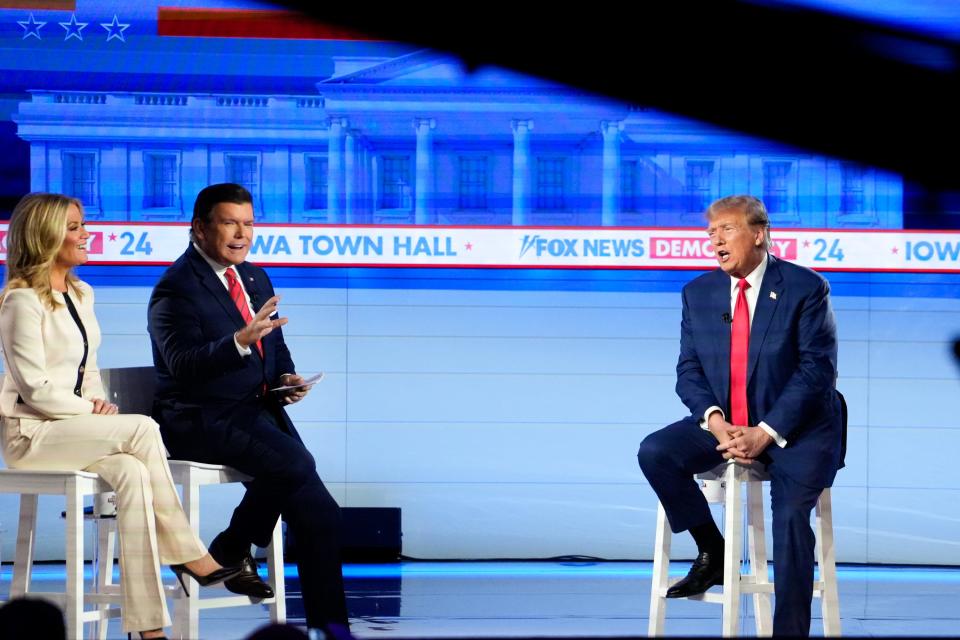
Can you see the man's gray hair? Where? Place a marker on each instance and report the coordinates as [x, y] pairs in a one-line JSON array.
[[751, 206]]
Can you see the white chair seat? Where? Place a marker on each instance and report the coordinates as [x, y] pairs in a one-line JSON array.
[[132, 389]]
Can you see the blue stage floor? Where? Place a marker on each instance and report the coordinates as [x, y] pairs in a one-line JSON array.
[[572, 599]]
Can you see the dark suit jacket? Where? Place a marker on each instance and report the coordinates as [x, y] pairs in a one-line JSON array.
[[204, 386], [791, 370]]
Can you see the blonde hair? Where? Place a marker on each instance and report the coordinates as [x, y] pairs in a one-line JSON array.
[[38, 227]]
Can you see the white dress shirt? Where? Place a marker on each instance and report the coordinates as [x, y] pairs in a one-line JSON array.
[[755, 279]]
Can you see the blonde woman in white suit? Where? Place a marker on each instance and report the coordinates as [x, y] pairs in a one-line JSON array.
[[55, 415]]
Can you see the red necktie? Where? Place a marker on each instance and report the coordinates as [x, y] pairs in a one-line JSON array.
[[739, 350], [236, 292]]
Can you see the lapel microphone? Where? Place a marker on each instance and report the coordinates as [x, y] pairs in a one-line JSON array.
[[727, 319]]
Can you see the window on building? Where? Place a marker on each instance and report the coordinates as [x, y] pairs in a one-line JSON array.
[[699, 184], [242, 170], [160, 189], [80, 177], [551, 184], [628, 186], [852, 188], [776, 186], [395, 186], [317, 174], [473, 182]]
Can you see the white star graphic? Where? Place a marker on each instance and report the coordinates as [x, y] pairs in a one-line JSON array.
[[74, 28], [31, 27], [115, 29]]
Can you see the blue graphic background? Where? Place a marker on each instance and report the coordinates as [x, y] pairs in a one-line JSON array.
[[501, 409]]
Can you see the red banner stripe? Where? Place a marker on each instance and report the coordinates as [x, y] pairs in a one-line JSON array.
[[247, 23], [61, 5]]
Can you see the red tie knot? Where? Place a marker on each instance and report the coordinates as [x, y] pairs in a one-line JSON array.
[[743, 284]]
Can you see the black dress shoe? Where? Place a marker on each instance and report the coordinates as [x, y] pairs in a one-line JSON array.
[[707, 571], [248, 582]]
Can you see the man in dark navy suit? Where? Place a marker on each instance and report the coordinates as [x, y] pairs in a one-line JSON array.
[[757, 369], [218, 350]]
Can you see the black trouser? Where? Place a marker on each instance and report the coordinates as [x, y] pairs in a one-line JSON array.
[[285, 482], [669, 459]]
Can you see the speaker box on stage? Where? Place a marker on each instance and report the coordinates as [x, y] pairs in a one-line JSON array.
[[370, 534]]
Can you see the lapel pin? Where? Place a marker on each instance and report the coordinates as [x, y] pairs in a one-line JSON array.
[[773, 295]]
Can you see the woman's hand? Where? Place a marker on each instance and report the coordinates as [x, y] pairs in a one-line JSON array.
[[104, 408]]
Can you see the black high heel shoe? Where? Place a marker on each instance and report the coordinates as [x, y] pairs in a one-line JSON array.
[[214, 577]]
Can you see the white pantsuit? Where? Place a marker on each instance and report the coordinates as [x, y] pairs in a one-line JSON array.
[[46, 425]]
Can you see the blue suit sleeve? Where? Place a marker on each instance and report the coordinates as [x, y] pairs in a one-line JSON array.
[[174, 323], [816, 371], [692, 385]]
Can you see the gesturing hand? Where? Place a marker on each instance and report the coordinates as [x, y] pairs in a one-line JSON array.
[[104, 408], [261, 324]]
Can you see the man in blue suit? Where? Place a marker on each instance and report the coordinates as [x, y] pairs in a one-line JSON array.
[[757, 369], [218, 350]]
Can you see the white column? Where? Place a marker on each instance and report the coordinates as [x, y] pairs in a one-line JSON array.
[[521, 170], [374, 185], [335, 134], [423, 185], [367, 183], [350, 176], [611, 172]]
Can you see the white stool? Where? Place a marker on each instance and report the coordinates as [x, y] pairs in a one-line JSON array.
[[132, 389], [724, 485], [73, 486], [186, 610]]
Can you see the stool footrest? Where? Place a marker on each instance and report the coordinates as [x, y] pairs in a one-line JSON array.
[[233, 600]]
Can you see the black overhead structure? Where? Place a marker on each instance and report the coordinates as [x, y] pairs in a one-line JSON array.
[[847, 88]]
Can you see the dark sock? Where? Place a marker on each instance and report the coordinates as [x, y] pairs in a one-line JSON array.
[[226, 550], [708, 537]]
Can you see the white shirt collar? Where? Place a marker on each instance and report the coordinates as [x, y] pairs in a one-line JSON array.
[[755, 277], [218, 268]]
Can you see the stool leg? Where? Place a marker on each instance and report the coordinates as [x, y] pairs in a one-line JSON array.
[[74, 536], [733, 540], [26, 536], [103, 573], [757, 544], [278, 608], [826, 559], [186, 613], [661, 570]]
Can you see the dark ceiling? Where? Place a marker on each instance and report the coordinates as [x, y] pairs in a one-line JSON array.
[[838, 86]]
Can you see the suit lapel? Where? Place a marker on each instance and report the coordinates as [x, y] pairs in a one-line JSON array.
[[719, 310], [771, 290], [209, 280], [213, 284], [246, 279]]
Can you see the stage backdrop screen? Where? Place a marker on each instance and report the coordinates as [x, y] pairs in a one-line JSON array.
[[486, 265]]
